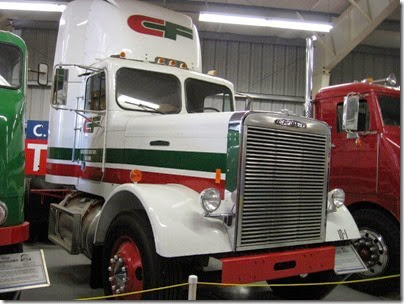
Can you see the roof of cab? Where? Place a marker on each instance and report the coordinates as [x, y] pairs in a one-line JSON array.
[[356, 87]]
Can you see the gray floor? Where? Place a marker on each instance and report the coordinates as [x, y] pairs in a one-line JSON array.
[[69, 276]]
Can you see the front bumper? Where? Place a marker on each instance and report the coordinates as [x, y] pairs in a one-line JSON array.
[[14, 234], [269, 266]]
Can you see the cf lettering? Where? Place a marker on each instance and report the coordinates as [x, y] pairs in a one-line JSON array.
[[158, 27]]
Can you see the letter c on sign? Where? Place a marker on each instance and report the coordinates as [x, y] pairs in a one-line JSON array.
[[36, 133]]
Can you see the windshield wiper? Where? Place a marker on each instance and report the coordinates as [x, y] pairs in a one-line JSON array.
[[145, 107]]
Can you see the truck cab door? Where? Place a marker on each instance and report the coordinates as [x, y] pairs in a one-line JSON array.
[[354, 160], [90, 124]]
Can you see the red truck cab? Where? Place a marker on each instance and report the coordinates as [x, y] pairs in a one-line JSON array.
[[366, 165]]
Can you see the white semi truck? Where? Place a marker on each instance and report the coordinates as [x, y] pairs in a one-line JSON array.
[[169, 180]]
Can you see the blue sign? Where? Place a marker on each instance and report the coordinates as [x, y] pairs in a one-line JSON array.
[[37, 129]]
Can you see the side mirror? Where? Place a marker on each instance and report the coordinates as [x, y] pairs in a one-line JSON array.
[[43, 74], [350, 113]]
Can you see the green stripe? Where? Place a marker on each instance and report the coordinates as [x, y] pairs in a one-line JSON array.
[[197, 161], [61, 153]]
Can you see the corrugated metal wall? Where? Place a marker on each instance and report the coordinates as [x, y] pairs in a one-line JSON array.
[[259, 68], [270, 68], [366, 62]]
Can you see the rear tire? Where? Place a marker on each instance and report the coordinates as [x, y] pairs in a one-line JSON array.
[[380, 238], [130, 262], [305, 292]]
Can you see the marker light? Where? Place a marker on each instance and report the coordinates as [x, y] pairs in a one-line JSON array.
[[265, 22], [161, 60], [172, 63], [212, 73], [122, 54], [136, 175], [32, 6]]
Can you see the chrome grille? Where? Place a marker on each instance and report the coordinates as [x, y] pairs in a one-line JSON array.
[[283, 190]]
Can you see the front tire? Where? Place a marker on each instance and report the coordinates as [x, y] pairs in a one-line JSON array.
[[130, 261], [379, 248], [316, 292]]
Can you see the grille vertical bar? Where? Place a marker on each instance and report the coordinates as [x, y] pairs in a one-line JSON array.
[[283, 188]]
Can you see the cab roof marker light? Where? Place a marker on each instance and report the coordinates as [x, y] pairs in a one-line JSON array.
[[265, 22], [32, 6]]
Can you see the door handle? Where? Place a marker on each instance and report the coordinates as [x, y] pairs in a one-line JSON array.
[[333, 146]]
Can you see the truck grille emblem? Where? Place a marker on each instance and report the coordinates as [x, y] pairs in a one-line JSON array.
[[290, 123]]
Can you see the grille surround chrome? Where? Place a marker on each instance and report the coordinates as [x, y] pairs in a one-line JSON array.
[[246, 210]]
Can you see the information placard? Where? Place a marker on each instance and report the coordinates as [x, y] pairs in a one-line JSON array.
[[23, 270], [347, 260]]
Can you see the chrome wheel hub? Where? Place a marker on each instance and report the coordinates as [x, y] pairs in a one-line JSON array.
[[373, 250], [118, 274]]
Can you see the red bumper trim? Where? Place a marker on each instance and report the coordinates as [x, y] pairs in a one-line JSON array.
[[14, 234], [269, 266]]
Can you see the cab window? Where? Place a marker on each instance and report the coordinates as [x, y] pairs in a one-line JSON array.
[[147, 91], [363, 118], [203, 96], [10, 66], [95, 92], [390, 108]]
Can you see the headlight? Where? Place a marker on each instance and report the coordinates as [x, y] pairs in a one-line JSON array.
[[210, 199], [336, 199], [3, 212]]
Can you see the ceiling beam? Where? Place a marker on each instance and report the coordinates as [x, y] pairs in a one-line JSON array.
[[349, 30]]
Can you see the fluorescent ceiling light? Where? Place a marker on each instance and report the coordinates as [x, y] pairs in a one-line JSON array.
[[267, 22], [32, 6]]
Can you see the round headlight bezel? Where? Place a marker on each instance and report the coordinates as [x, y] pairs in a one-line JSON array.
[[3, 213], [210, 200], [336, 199]]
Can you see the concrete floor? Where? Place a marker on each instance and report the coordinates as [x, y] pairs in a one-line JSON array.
[[69, 276]]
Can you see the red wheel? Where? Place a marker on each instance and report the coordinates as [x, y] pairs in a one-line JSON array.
[[125, 268], [131, 263]]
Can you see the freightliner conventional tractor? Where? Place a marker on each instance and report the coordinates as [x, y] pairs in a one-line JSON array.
[[169, 180], [366, 165], [13, 72]]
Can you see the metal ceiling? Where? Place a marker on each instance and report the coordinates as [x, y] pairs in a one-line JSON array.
[[387, 35]]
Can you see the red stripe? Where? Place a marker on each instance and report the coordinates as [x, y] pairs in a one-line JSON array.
[[63, 170], [122, 176], [14, 234]]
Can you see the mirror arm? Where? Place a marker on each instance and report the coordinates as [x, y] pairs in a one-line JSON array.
[[352, 134]]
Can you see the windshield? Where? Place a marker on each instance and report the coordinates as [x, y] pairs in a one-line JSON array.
[[10, 66], [148, 91], [203, 96], [390, 107]]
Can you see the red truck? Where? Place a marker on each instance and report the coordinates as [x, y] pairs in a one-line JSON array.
[[365, 163]]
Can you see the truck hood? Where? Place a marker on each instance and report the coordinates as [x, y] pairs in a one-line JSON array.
[[199, 132]]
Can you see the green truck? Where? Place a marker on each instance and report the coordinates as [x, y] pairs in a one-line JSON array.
[[13, 79]]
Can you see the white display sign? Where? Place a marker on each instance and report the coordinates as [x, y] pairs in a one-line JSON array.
[[23, 270], [347, 260]]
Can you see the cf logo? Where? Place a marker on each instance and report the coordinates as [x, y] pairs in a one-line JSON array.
[[158, 27]]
